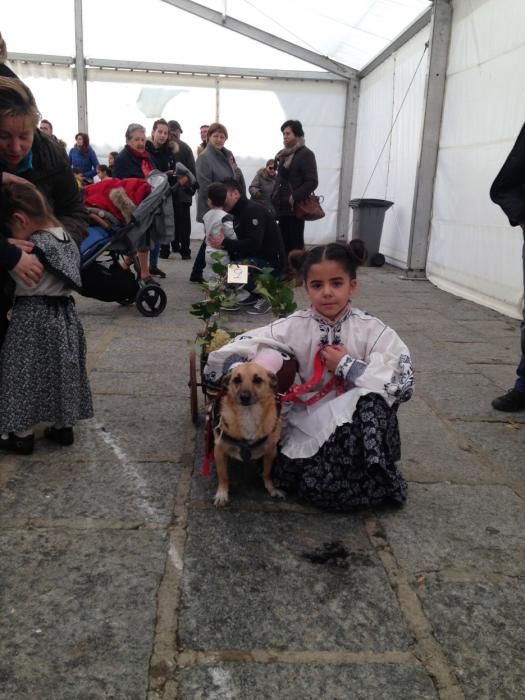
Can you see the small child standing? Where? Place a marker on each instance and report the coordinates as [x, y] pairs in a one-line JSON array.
[[216, 221], [43, 359], [340, 445]]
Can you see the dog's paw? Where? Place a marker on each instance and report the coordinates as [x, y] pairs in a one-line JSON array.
[[221, 498], [276, 493]]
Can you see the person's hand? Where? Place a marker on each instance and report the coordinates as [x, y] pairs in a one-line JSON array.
[[3, 50], [331, 355], [9, 177], [169, 173], [23, 245], [28, 269], [216, 241]]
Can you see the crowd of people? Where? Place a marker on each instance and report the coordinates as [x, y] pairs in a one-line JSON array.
[[340, 446]]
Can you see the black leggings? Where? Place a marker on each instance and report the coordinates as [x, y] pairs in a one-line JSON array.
[[292, 231]]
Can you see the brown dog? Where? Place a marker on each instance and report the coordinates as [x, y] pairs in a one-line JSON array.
[[249, 426]]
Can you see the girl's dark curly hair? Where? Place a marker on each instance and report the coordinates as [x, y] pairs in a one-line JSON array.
[[349, 255]]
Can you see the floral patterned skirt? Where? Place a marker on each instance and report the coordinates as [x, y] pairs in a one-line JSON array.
[[356, 466]]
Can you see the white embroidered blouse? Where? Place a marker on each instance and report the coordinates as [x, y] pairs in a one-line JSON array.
[[377, 362]]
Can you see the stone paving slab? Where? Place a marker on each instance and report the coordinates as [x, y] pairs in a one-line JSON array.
[[505, 351], [78, 613], [139, 384], [305, 682], [426, 459], [481, 626], [446, 526], [458, 394], [247, 585], [503, 444], [136, 353], [129, 440], [115, 491]]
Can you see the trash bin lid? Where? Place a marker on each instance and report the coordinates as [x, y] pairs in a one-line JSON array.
[[378, 203]]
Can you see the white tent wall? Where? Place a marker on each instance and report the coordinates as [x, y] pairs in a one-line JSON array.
[[380, 98], [474, 252]]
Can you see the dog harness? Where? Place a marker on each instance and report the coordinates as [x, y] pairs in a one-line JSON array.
[[245, 446]]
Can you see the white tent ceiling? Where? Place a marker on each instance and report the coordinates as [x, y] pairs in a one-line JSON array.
[[351, 32]]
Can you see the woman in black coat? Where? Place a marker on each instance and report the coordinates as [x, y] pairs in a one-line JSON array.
[[296, 179]]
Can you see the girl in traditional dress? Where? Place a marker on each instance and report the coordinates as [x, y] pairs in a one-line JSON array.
[[340, 446], [43, 359]]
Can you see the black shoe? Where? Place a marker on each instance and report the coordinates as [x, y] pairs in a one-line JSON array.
[[64, 436], [250, 300], [156, 272], [19, 445], [175, 248], [186, 256], [196, 277], [164, 252], [150, 280], [510, 402]]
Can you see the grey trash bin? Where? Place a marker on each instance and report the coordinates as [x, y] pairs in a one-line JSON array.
[[368, 218]]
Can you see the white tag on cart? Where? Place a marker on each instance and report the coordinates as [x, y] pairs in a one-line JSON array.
[[237, 274]]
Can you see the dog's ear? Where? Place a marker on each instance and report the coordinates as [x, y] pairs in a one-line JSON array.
[[272, 378], [225, 382]]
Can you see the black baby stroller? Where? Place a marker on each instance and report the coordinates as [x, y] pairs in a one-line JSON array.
[[151, 221]]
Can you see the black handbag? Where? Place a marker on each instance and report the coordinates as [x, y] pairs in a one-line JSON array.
[[309, 209]]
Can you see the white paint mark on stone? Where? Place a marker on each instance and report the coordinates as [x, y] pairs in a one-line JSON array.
[[140, 485], [223, 683], [175, 557]]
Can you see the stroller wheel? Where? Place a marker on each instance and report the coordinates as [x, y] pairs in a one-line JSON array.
[[151, 300]]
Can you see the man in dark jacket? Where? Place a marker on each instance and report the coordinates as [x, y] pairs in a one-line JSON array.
[[182, 153], [258, 236], [258, 241], [508, 190]]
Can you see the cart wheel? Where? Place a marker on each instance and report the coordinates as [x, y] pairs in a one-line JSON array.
[[377, 260], [151, 300], [194, 401]]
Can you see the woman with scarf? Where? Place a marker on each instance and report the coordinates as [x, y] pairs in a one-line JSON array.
[[135, 161], [296, 179], [83, 157]]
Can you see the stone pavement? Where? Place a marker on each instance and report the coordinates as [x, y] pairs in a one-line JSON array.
[[120, 581]]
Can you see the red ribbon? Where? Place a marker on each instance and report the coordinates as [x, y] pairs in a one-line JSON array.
[[297, 389]]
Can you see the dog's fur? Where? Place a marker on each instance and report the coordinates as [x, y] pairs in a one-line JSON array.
[[248, 411]]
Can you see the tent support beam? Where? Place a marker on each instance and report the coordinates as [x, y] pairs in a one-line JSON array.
[[262, 37], [178, 68], [347, 159], [428, 155], [422, 21], [80, 70]]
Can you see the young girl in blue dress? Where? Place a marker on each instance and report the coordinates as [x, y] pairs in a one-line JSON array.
[[340, 445], [43, 359]]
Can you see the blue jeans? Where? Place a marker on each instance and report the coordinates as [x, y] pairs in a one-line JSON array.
[[252, 274], [154, 255], [520, 381]]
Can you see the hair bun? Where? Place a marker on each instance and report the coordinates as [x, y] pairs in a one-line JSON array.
[[358, 251]]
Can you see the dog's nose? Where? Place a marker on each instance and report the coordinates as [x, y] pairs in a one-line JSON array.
[[245, 397]]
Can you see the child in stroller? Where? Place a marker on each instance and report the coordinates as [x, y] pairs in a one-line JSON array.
[[152, 220]]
